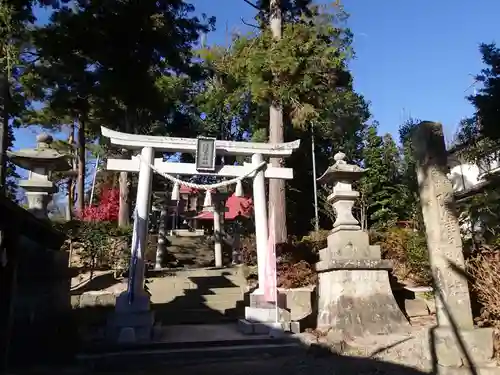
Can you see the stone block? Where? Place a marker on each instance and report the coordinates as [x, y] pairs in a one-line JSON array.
[[416, 307], [276, 330], [261, 328], [349, 245], [354, 264], [299, 302], [441, 370], [295, 327], [75, 301], [106, 299], [141, 302], [121, 323], [88, 300], [138, 319], [245, 327], [478, 344], [358, 303], [127, 336], [431, 305], [255, 314], [259, 301]]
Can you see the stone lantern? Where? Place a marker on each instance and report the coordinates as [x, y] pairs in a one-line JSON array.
[[342, 175], [354, 292], [40, 161]]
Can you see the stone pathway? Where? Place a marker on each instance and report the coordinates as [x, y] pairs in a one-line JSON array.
[[190, 252], [395, 354], [296, 365], [204, 332]]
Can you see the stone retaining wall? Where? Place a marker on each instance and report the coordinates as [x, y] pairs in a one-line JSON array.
[[42, 307]]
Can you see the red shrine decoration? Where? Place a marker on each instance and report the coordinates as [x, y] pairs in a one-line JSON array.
[[235, 206]]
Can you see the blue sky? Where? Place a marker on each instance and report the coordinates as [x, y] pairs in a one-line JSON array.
[[412, 57]]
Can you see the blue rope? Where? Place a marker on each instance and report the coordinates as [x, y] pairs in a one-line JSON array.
[[133, 263]]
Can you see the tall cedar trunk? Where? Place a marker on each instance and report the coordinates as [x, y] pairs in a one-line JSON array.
[[124, 203], [277, 195], [71, 179], [80, 199]]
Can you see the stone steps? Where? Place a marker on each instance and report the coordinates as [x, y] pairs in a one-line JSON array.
[[177, 354], [212, 301], [196, 316], [198, 296]]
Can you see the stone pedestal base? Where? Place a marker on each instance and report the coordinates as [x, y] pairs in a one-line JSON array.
[[478, 344], [258, 301], [260, 317], [355, 297], [131, 322]]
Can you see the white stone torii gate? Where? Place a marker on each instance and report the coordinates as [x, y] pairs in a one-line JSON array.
[[148, 145]]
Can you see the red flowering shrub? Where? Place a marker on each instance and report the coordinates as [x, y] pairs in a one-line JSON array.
[[106, 209]]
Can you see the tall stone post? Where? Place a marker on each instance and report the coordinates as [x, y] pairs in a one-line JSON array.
[[456, 341], [442, 229], [261, 315], [133, 320], [261, 229], [354, 293], [217, 234]]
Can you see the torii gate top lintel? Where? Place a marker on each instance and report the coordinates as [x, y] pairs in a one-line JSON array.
[[172, 144]]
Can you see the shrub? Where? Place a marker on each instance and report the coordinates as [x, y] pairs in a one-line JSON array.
[[106, 209], [295, 259], [99, 244], [296, 275], [249, 250], [484, 269], [408, 251]]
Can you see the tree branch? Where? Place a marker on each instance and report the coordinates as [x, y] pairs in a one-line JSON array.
[[252, 4], [249, 24]]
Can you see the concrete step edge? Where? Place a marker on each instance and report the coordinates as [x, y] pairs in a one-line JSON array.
[[110, 348]]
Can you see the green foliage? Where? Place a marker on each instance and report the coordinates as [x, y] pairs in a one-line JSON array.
[[86, 69], [305, 70], [409, 185], [13, 24], [99, 244], [480, 215], [407, 249], [295, 261], [487, 100], [380, 186], [292, 11]]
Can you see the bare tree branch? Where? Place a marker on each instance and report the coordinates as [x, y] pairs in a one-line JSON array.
[[249, 24], [251, 4]]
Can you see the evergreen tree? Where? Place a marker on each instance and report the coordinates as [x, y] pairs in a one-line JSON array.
[[88, 73], [487, 99], [381, 185], [409, 184], [313, 86]]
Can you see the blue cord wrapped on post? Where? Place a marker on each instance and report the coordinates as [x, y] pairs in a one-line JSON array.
[[133, 262]]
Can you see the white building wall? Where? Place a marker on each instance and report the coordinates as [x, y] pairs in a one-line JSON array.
[[464, 177]]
